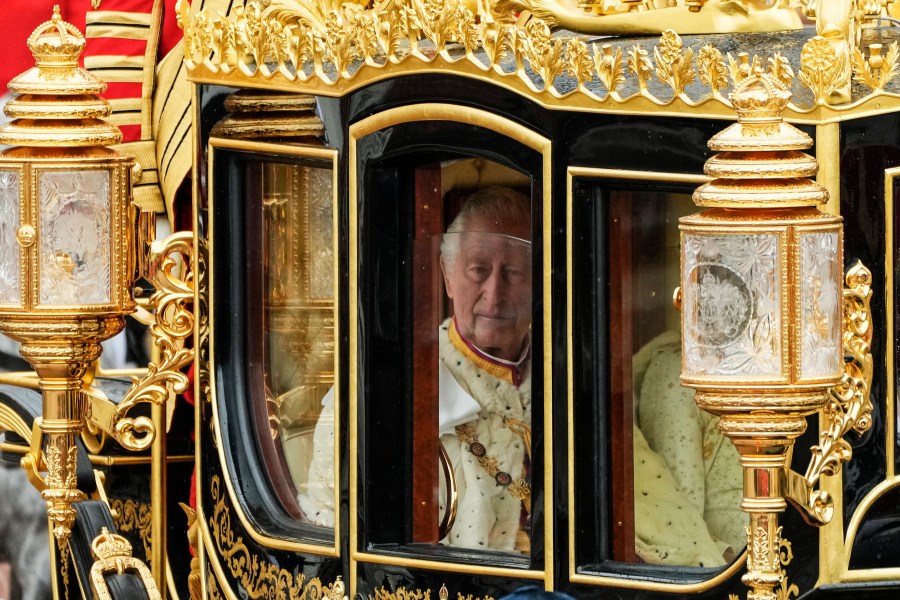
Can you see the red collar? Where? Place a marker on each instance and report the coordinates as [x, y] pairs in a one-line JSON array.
[[509, 371]]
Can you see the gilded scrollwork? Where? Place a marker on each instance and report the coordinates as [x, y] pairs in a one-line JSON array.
[[301, 40], [401, 593], [173, 325], [258, 577], [132, 515]]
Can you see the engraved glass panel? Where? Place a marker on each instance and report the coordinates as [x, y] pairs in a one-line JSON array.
[[732, 300], [298, 292], [820, 318], [9, 247], [74, 245]]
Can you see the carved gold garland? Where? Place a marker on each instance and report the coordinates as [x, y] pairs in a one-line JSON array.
[[258, 577], [132, 515], [305, 40]]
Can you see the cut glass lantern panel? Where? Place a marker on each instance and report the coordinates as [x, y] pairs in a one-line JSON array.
[[820, 299], [732, 303], [9, 248], [75, 247]]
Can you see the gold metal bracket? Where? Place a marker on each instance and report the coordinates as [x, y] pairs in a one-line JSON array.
[[173, 325], [849, 406], [112, 553]]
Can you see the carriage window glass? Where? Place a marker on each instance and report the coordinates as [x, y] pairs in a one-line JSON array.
[[655, 481], [687, 483], [472, 314], [298, 334]]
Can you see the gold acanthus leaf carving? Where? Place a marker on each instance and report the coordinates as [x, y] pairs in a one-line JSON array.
[[53, 457], [173, 325], [258, 577], [876, 71]]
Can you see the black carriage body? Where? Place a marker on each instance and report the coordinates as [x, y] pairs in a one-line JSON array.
[[588, 157]]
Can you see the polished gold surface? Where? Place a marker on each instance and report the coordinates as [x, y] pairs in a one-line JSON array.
[[256, 115], [542, 145], [113, 555], [347, 48]]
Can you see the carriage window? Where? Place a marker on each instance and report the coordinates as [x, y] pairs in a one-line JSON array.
[[448, 300], [297, 336], [674, 481]]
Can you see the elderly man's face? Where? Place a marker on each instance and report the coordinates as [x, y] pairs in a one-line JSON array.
[[490, 285]]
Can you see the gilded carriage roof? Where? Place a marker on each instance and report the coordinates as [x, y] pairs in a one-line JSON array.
[[330, 48]]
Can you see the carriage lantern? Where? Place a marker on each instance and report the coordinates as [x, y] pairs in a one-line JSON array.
[[66, 257], [765, 319]]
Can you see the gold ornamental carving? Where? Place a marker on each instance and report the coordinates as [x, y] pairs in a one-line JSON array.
[[132, 515], [401, 593], [326, 45], [257, 576]]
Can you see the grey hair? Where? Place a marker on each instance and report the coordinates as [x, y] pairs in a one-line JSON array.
[[500, 205]]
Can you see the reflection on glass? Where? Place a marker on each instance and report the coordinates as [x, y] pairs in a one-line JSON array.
[[687, 479], [298, 277], [821, 352], [75, 222], [9, 251], [484, 371]]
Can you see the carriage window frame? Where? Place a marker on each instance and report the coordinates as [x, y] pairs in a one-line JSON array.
[[595, 570], [281, 531], [448, 559]]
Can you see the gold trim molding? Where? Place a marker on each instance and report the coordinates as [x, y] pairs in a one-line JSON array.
[[317, 47], [401, 593]]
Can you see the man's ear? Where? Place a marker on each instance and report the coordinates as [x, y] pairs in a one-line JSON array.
[[447, 284]]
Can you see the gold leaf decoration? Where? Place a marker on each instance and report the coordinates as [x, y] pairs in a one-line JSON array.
[[674, 66], [822, 69], [544, 53], [878, 70], [609, 67], [324, 42], [258, 577], [640, 64], [401, 593], [133, 516], [711, 68], [780, 69], [578, 62], [743, 67]]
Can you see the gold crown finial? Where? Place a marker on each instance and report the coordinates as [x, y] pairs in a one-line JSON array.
[[56, 43], [760, 97]]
